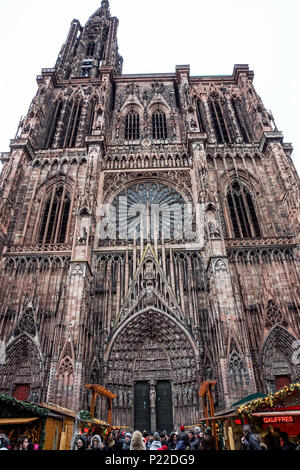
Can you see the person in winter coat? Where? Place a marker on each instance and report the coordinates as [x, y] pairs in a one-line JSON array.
[[182, 442], [194, 441], [172, 442], [271, 439], [156, 444], [110, 443], [298, 442], [150, 440], [96, 443], [137, 442], [80, 444], [208, 442], [22, 443], [249, 441], [126, 442], [285, 443], [4, 442]]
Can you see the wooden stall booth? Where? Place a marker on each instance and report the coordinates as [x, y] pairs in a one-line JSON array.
[[20, 419], [59, 427]]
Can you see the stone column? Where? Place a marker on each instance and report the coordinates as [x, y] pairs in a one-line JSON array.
[[153, 404]]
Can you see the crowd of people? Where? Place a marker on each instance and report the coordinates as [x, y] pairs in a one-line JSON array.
[[196, 439], [179, 440]]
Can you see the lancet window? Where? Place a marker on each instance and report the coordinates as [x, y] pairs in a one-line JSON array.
[[54, 123], [236, 105], [132, 126], [242, 212], [55, 217], [159, 125], [219, 122], [72, 123]]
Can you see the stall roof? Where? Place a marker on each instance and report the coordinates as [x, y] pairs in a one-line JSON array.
[[248, 398], [4, 421], [59, 409]]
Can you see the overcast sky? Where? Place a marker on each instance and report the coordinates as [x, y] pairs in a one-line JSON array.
[[154, 36]]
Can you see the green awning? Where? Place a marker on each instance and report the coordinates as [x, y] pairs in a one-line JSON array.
[[247, 399]]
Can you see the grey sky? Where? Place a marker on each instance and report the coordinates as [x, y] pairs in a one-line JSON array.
[[154, 36]]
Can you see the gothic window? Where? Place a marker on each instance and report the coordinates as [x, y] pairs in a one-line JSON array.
[[54, 124], [242, 212], [159, 125], [132, 126], [200, 117], [90, 117], [240, 120], [90, 50], [219, 122], [72, 124], [55, 217]]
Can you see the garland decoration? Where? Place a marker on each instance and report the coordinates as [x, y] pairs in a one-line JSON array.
[[270, 400], [85, 418]]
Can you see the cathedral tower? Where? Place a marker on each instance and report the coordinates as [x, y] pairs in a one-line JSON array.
[[149, 237]]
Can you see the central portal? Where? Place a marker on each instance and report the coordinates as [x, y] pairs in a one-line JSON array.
[[153, 408]]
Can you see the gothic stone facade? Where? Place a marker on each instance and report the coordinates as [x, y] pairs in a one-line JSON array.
[[78, 307]]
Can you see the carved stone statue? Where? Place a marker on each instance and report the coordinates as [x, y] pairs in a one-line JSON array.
[[152, 397], [213, 230]]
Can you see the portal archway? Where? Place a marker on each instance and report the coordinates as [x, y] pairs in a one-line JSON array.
[[151, 347]]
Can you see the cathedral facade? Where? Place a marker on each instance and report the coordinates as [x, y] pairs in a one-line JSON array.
[[149, 237]]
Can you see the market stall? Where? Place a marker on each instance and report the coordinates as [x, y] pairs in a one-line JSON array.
[[19, 419], [280, 410], [59, 427]]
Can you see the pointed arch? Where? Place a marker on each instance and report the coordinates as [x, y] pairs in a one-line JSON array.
[[276, 357], [24, 367]]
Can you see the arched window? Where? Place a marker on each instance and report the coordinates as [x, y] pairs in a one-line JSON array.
[[72, 121], [90, 50], [236, 105], [159, 125], [242, 212], [54, 123], [132, 126], [55, 217], [219, 122], [200, 117]]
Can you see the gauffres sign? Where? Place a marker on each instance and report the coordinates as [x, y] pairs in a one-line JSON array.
[[278, 419]]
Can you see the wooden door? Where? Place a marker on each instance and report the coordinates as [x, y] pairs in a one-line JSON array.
[[21, 392], [142, 412], [164, 406]]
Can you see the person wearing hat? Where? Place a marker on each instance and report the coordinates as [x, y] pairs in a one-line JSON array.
[[156, 444], [127, 441]]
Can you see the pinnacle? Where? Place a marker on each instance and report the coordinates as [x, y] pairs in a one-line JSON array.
[[102, 10]]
